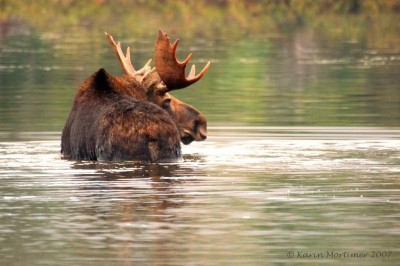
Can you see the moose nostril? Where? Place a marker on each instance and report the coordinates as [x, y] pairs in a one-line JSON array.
[[202, 133]]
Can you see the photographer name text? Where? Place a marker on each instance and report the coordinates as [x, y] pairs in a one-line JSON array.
[[329, 254]]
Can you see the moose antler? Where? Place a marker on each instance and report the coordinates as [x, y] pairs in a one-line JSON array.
[[125, 61], [171, 71]]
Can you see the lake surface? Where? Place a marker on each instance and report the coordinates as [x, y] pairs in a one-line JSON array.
[[301, 165]]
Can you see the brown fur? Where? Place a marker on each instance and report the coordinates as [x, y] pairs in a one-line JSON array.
[[119, 118]]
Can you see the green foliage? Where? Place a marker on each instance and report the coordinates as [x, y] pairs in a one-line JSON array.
[[193, 16]]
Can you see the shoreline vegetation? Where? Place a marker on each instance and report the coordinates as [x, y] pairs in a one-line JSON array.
[[353, 19], [350, 77]]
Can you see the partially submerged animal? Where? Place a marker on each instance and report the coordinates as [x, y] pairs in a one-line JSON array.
[[133, 117]]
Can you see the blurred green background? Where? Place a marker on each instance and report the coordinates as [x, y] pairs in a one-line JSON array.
[[274, 63]]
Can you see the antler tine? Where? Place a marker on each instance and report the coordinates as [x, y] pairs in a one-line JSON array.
[[171, 71], [192, 73], [125, 61], [145, 69]]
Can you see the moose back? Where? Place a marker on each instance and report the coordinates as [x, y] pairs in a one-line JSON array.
[[133, 117]]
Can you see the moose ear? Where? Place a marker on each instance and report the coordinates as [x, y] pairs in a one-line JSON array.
[[102, 81]]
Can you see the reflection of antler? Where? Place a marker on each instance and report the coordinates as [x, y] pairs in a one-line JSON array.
[[125, 61], [171, 71]]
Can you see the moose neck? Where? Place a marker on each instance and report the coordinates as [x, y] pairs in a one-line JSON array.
[[131, 87]]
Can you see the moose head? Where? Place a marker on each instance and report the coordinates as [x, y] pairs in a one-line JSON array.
[[133, 117], [157, 83]]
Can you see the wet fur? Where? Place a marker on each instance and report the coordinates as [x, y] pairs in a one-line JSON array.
[[111, 121]]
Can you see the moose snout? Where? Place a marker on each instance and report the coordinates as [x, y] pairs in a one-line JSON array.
[[191, 123], [200, 128], [189, 135], [202, 135]]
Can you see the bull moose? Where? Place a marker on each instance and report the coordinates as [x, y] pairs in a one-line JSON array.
[[133, 117]]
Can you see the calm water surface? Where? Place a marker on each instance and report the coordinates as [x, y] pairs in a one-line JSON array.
[[247, 196], [303, 156]]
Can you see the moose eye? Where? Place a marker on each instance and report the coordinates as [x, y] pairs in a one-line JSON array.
[[166, 103]]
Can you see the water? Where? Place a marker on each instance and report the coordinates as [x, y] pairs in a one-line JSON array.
[[301, 164], [246, 196]]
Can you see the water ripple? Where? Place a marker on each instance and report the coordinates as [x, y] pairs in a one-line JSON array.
[[245, 191]]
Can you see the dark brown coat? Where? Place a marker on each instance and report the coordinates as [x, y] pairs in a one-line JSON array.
[[111, 120], [133, 117]]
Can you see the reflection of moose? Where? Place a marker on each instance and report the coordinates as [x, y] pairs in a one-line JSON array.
[[133, 117], [134, 209]]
